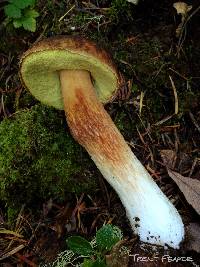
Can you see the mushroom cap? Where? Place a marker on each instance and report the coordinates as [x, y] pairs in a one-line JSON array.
[[40, 65], [182, 8]]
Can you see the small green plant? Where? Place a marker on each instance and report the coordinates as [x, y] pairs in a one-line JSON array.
[[22, 14], [94, 252]]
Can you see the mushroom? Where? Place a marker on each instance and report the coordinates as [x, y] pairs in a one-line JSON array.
[[73, 74], [182, 9], [133, 1]]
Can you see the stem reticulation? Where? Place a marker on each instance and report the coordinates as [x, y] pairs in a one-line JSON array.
[[152, 216]]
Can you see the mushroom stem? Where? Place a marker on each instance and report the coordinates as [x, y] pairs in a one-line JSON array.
[[151, 214]]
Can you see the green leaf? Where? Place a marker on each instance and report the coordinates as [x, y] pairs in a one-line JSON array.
[[107, 236], [12, 11], [17, 23], [31, 13], [27, 20], [29, 24], [87, 263], [96, 263], [80, 246], [22, 3], [99, 263]]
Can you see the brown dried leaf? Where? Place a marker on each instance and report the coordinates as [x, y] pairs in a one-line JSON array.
[[193, 230], [189, 187]]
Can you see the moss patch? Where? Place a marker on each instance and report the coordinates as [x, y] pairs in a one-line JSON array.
[[39, 159]]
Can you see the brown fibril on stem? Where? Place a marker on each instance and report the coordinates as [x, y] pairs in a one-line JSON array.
[[89, 123], [75, 75]]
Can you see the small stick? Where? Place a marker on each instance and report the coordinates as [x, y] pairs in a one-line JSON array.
[[175, 95]]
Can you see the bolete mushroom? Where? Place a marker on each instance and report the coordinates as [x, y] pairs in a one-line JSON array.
[[74, 74]]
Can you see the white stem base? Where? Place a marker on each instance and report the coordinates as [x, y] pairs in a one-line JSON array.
[[151, 214]]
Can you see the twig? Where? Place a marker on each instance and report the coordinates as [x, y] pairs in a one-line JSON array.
[[61, 18], [175, 95], [141, 102], [147, 131], [194, 121], [2, 108], [12, 252], [179, 74], [163, 120], [193, 166]]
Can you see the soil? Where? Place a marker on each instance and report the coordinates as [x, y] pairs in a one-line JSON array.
[[157, 64]]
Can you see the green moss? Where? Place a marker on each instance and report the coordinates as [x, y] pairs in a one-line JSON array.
[[12, 214], [119, 121], [118, 9], [26, 100], [122, 122], [39, 159], [145, 62]]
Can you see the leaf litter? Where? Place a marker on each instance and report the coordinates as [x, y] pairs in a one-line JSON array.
[[190, 188]]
